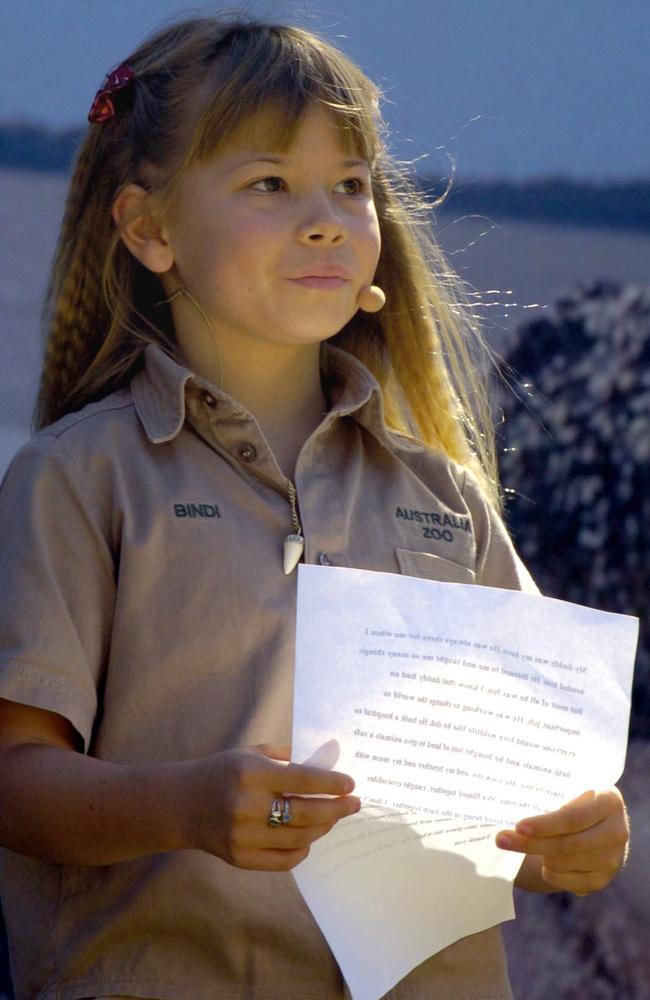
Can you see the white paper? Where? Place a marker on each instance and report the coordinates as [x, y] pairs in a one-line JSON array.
[[458, 710]]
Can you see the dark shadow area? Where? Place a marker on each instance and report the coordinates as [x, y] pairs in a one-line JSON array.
[[6, 988], [575, 457], [575, 461]]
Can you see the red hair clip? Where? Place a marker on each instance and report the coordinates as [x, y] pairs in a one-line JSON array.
[[115, 94]]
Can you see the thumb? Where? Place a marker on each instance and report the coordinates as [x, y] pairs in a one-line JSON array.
[[326, 756]]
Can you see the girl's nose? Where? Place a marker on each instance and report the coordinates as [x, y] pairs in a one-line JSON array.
[[322, 224]]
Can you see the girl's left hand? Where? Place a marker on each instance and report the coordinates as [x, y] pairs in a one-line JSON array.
[[579, 847]]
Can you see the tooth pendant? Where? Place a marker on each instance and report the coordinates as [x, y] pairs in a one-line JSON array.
[[294, 546]]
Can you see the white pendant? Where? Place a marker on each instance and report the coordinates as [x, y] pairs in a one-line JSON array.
[[294, 546]]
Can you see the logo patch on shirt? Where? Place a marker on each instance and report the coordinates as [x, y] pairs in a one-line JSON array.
[[435, 525], [196, 510]]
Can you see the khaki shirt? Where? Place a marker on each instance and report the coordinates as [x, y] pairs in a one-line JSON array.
[[144, 600]]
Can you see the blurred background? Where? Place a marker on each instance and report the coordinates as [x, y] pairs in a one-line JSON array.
[[538, 116]]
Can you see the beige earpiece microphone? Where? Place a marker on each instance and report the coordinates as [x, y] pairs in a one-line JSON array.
[[371, 299]]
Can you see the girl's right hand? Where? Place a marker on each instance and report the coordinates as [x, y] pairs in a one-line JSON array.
[[229, 797]]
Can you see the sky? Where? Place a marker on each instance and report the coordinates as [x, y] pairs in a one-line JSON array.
[[490, 88]]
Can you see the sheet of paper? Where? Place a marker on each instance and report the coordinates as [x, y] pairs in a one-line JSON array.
[[458, 710]]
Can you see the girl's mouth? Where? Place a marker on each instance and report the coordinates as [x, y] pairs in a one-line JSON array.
[[318, 281]]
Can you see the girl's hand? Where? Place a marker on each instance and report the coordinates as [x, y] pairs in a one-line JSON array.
[[228, 799], [579, 847]]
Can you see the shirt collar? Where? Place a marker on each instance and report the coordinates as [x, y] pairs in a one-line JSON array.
[[159, 392]]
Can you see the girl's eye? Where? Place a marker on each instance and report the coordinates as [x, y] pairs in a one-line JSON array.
[[269, 185], [353, 185]]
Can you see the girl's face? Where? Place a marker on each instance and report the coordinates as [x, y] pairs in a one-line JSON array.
[[276, 247]]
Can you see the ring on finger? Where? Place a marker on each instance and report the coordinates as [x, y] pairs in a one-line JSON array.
[[280, 813], [275, 816]]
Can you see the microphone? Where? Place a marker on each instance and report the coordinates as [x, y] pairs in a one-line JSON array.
[[371, 299]]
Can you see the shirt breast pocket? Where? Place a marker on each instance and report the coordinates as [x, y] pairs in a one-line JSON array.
[[432, 567]]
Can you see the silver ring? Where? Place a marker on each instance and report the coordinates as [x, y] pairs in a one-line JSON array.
[[275, 816], [280, 813]]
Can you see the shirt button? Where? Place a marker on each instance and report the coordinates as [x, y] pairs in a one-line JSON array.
[[209, 400], [324, 559], [247, 452]]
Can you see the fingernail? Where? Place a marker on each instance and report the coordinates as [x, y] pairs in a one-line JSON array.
[[349, 786], [524, 828], [504, 840]]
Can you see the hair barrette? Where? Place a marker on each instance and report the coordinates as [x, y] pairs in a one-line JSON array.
[[115, 94]]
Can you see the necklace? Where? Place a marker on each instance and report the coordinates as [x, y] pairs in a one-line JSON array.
[[294, 544]]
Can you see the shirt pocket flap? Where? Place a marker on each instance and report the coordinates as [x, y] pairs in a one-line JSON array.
[[433, 567]]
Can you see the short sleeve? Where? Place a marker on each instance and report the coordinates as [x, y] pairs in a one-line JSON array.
[[57, 582], [497, 562]]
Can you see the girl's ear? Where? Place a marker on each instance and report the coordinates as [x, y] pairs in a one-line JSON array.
[[141, 230]]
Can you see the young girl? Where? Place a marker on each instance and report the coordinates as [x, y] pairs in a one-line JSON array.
[[223, 394]]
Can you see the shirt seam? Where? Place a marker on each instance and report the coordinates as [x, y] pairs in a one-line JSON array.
[[86, 486], [56, 431], [28, 671], [26, 666]]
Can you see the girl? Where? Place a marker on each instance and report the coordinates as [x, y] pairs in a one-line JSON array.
[[223, 395]]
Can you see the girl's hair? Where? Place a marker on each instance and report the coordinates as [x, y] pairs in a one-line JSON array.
[[198, 82]]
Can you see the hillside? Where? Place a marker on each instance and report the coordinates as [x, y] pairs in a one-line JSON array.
[[623, 205]]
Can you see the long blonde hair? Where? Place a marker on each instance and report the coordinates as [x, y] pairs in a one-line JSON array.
[[197, 82]]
